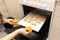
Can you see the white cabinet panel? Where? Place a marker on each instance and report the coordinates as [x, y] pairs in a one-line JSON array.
[[57, 11], [55, 28], [55, 34], [56, 22], [3, 9], [57, 0], [14, 8]]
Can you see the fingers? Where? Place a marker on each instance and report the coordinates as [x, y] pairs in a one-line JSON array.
[[23, 31], [29, 29], [14, 22], [9, 21], [26, 32]]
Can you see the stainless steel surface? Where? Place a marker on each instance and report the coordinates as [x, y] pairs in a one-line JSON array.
[[41, 4]]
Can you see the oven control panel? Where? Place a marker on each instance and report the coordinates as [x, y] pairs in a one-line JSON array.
[[41, 4]]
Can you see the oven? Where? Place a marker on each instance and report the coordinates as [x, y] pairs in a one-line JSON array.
[[36, 11], [37, 15]]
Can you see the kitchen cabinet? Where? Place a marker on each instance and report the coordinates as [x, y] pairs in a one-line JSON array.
[[11, 8]]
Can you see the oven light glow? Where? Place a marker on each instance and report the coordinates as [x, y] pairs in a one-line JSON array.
[[44, 5], [24, 1], [39, 4], [30, 2], [34, 3]]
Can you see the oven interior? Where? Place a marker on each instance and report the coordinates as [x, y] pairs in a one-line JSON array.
[[43, 32]]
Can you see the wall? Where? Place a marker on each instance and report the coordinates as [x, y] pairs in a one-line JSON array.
[[11, 8], [57, 0], [14, 8], [3, 9]]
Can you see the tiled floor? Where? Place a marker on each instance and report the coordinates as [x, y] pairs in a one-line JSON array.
[[2, 33]]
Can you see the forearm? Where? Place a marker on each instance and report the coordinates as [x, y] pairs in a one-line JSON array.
[[13, 34], [10, 36]]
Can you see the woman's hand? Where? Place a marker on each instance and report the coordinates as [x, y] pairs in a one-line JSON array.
[[22, 31], [8, 21], [13, 34]]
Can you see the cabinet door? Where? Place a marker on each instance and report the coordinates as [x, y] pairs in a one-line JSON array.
[[57, 0], [3, 8], [14, 9], [55, 28]]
